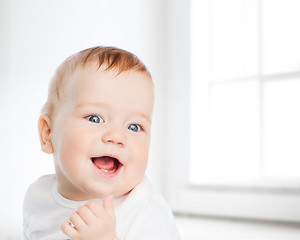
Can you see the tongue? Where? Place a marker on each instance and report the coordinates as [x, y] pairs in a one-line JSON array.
[[106, 163]]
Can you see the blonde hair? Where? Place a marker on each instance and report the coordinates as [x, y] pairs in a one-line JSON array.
[[113, 58]]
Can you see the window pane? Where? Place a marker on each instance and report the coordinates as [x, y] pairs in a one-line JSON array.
[[233, 137], [282, 130], [281, 36], [234, 39], [232, 140]]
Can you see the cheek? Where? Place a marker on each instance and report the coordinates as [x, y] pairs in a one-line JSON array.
[[140, 152], [71, 142]]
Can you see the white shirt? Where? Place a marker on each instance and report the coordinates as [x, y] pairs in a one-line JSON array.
[[141, 215]]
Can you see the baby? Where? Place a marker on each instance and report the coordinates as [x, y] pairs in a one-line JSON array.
[[96, 123]]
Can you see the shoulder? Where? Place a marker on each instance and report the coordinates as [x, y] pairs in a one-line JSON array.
[[41, 185], [42, 215], [155, 203], [155, 219], [39, 190], [43, 181]]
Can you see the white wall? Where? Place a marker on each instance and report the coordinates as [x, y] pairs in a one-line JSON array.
[[35, 37]]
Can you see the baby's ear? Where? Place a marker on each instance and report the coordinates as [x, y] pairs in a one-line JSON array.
[[44, 127]]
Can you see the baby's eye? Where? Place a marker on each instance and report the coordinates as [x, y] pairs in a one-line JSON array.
[[95, 119], [134, 127]]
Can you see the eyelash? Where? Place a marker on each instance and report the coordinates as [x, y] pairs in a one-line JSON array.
[[89, 117], [94, 115], [140, 126]]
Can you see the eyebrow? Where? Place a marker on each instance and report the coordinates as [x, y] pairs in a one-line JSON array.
[[95, 104], [144, 116], [105, 105]]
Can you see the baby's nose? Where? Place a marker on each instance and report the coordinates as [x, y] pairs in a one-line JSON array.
[[114, 136]]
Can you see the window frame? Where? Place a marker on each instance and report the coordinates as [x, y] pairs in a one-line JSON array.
[[275, 204]]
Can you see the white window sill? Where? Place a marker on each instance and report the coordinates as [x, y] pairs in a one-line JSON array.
[[192, 228]]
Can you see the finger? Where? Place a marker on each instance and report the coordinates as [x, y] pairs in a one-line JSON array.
[[86, 214], [108, 205], [77, 221], [96, 207], [67, 229]]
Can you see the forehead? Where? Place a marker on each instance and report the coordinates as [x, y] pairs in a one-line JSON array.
[[129, 88]]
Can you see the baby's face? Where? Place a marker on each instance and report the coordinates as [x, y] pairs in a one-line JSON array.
[[101, 133]]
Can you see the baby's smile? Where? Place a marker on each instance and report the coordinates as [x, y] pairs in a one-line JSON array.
[[107, 166]]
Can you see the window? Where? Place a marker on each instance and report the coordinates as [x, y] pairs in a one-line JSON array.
[[246, 103], [244, 137]]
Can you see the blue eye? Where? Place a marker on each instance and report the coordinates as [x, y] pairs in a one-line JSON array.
[[134, 127], [95, 119]]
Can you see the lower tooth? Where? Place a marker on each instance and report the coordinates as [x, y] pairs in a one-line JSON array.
[[104, 170]]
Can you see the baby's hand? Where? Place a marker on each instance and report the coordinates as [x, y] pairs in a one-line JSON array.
[[92, 222]]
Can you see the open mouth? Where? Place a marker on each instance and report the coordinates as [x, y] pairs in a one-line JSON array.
[[107, 166]]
